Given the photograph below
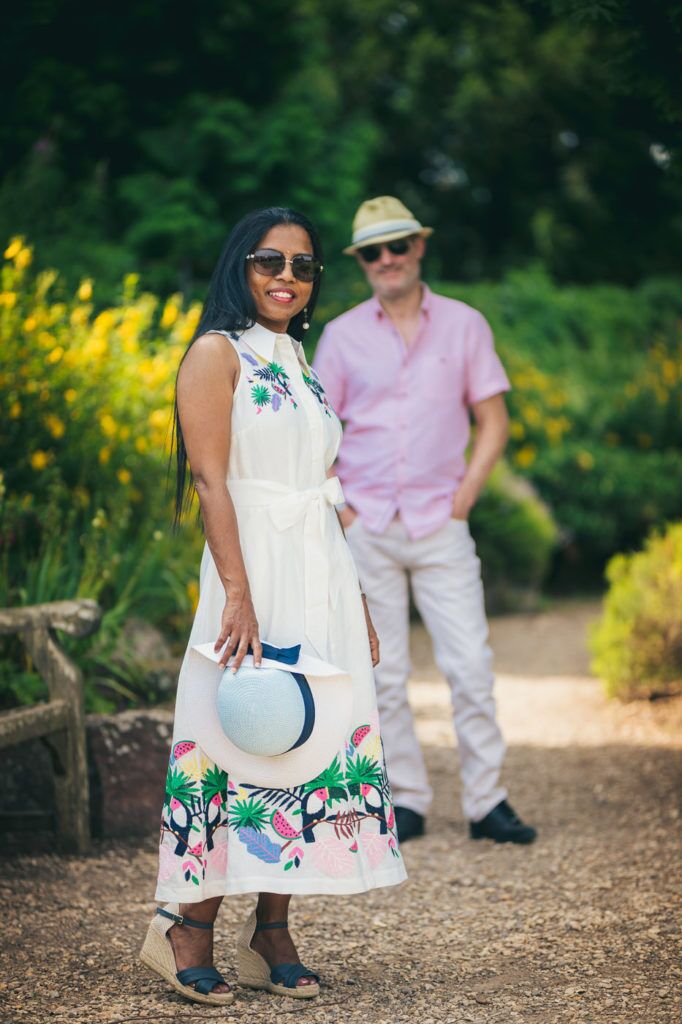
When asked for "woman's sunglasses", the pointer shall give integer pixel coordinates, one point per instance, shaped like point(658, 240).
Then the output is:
point(371, 253)
point(271, 262)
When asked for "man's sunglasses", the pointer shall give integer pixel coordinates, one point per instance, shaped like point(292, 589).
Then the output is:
point(271, 262)
point(371, 253)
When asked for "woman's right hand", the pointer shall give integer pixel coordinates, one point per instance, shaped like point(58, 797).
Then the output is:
point(239, 629)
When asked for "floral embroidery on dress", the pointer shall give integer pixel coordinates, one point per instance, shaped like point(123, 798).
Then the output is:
point(312, 382)
point(270, 385)
point(194, 813)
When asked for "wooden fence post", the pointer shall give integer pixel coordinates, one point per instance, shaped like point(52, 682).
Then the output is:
point(62, 720)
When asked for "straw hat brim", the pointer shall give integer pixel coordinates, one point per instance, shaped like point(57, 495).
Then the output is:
point(332, 690)
point(387, 236)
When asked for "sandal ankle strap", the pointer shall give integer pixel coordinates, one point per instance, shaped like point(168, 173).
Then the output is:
point(179, 919)
point(272, 924)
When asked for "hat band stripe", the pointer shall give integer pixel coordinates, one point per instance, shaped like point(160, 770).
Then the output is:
point(309, 710)
point(385, 227)
point(287, 655)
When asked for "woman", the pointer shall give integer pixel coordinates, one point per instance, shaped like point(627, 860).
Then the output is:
point(251, 413)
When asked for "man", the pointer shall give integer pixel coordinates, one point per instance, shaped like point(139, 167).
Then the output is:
point(403, 371)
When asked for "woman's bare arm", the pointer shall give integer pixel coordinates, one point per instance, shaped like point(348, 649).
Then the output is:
point(206, 383)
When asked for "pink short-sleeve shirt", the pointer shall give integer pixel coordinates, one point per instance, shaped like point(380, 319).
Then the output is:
point(405, 409)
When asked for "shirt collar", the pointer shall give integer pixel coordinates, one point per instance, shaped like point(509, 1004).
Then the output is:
point(426, 303)
point(263, 341)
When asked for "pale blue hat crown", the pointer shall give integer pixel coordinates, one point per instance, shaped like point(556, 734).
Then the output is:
point(265, 711)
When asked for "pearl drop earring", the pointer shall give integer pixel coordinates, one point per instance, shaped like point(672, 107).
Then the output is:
point(305, 325)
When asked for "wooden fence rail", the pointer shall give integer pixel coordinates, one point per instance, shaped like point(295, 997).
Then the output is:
point(60, 722)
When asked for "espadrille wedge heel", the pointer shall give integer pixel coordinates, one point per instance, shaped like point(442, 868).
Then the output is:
point(157, 954)
point(253, 971)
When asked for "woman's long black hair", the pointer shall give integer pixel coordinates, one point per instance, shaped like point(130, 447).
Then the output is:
point(230, 306)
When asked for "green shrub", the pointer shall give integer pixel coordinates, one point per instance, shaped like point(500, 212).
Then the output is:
point(596, 403)
point(515, 536)
point(637, 645)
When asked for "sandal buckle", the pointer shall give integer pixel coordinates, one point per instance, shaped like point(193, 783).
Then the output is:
point(177, 918)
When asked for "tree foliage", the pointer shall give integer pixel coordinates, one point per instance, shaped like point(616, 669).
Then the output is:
point(548, 129)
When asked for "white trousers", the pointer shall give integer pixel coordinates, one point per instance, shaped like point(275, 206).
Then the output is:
point(445, 574)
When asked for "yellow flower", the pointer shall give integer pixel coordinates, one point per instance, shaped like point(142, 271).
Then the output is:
point(8, 299)
point(70, 395)
point(55, 355)
point(30, 323)
point(525, 456)
point(159, 418)
point(190, 325)
point(104, 455)
point(55, 425)
point(141, 444)
point(669, 371)
point(130, 283)
point(108, 424)
point(531, 414)
point(95, 347)
point(169, 315)
point(124, 476)
point(46, 340)
point(104, 322)
point(517, 430)
point(79, 316)
point(44, 282)
point(23, 258)
point(14, 248)
point(124, 433)
point(15, 410)
point(39, 459)
point(193, 594)
point(85, 291)
point(585, 459)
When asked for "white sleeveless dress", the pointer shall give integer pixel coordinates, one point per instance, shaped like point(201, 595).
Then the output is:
point(335, 834)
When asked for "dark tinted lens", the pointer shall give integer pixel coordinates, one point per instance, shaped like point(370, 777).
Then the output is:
point(370, 253)
point(399, 247)
point(268, 262)
point(305, 268)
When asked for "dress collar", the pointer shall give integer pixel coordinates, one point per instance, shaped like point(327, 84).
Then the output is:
point(263, 341)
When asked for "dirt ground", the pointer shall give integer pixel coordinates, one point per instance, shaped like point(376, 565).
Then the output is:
point(584, 926)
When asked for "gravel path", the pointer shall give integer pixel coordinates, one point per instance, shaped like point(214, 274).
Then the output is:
point(580, 927)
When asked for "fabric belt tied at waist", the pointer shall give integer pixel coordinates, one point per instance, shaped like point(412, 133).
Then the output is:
point(287, 506)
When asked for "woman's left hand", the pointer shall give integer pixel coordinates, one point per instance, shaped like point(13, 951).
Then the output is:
point(371, 635)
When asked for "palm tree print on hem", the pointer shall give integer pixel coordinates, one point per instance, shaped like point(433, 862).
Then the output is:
point(194, 812)
point(325, 819)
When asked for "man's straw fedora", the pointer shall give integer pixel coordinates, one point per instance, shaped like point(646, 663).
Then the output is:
point(383, 220)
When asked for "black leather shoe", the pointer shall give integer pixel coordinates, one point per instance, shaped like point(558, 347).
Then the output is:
point(503, 825)
point(408, 823)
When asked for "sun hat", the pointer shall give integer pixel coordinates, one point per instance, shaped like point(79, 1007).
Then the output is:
point(382, 220)
point(278, 725)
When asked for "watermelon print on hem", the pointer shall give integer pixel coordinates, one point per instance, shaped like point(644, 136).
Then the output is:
point(222, 834)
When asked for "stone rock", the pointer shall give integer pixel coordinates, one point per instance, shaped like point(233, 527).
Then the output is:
point(128, 757)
